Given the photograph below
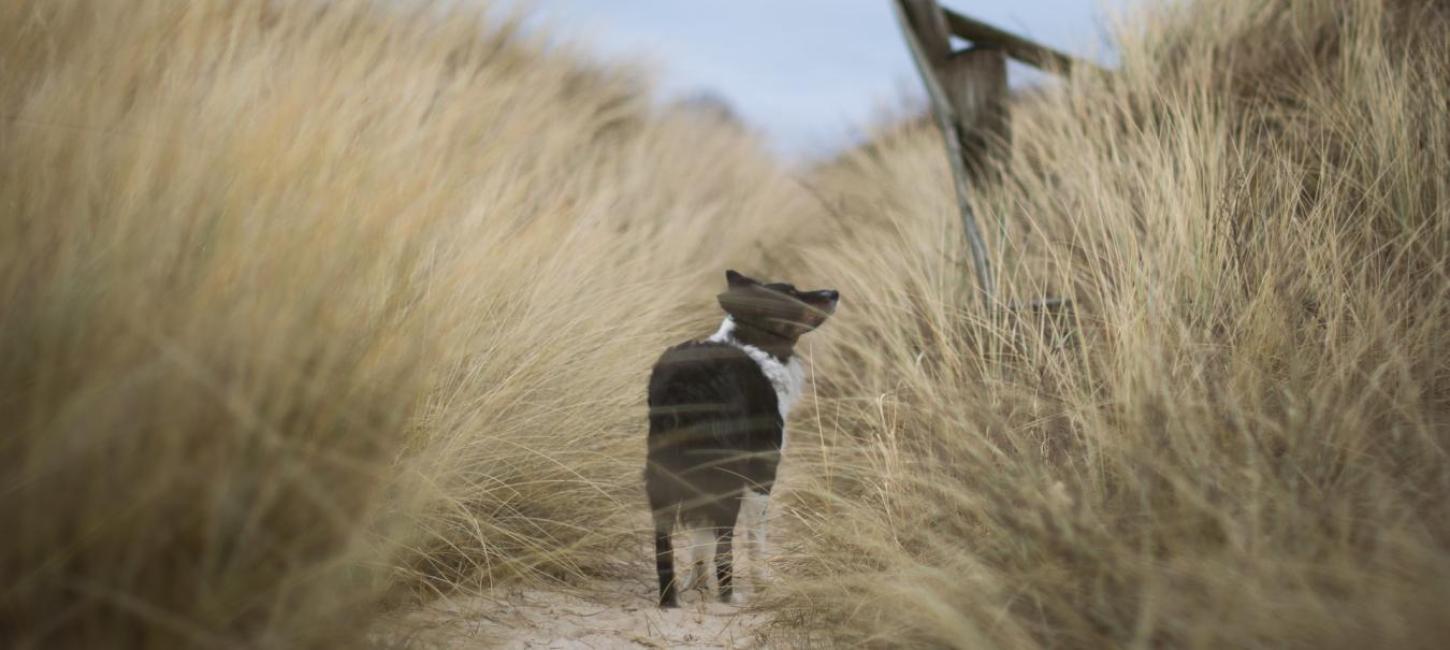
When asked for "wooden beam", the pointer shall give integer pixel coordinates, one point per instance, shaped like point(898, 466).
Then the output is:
point(1030, 52)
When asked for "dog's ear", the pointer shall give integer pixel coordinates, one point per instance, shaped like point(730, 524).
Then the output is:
point(737, 281)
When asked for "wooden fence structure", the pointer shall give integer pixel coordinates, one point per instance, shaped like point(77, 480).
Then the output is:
point(968, 93)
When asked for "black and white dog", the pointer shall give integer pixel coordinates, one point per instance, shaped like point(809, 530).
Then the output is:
point(717, 411)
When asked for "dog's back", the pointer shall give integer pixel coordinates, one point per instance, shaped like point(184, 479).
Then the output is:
point(714, 433)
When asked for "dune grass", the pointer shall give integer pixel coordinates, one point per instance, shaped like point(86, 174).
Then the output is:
point(312, 309)
point(310, 305)
point(1237, 438)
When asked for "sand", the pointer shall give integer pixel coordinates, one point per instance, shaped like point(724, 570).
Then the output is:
point(604, 614)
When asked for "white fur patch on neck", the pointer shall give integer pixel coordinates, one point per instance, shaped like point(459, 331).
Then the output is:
point(787, 378)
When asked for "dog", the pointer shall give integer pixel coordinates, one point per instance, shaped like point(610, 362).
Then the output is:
point(717, 412)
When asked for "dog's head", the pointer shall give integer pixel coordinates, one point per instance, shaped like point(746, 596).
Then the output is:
point(776, 307)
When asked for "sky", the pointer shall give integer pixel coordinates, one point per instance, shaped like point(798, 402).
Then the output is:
point(809, 75)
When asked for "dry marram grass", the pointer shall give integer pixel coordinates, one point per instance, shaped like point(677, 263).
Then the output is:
point(311, 307)
point(309, 303)
point(1237, 439)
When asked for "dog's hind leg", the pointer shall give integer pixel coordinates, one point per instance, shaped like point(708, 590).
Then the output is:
point(664, 521)
point(701, 541)
point(753, 514)
point(724, 568)
point(665, 567)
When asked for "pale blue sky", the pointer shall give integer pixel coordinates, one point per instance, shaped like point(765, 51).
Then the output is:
point(810, 75)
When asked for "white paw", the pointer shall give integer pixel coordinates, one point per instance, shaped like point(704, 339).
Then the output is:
point(698, 580)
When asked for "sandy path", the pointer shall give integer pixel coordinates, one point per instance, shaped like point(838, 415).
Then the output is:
point(605, 614)
point(611, 612)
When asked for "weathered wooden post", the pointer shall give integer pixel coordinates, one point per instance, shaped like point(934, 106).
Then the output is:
point(968, 92)
point(976, 84)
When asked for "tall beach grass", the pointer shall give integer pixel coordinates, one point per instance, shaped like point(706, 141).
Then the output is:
point(1236, 438)
point(309, 306)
